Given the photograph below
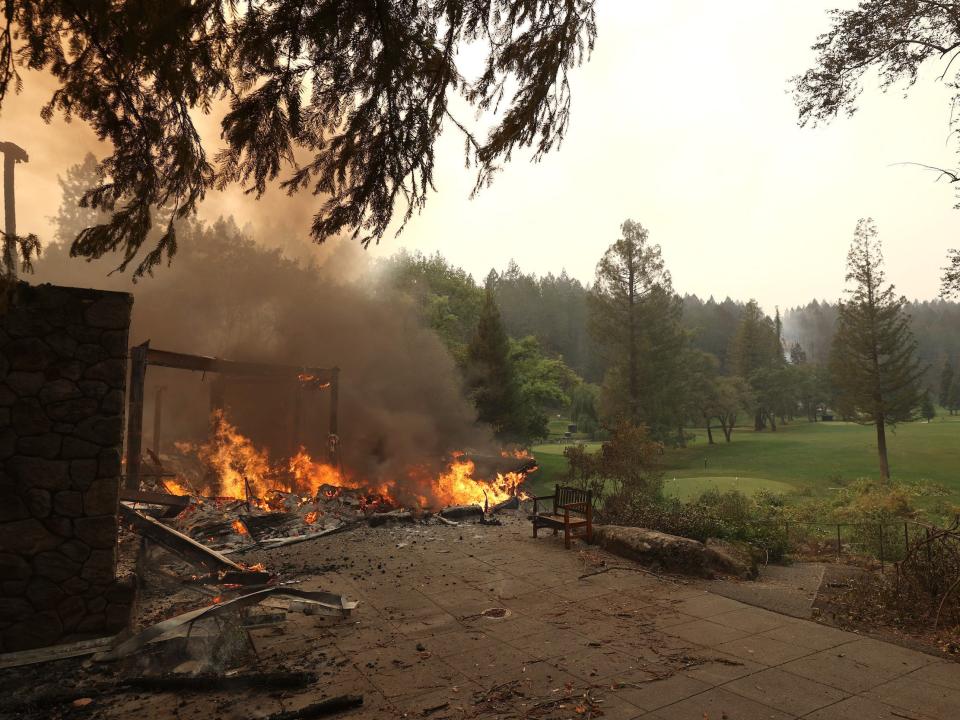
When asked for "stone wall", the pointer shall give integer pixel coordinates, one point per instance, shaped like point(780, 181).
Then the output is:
point(62, 380)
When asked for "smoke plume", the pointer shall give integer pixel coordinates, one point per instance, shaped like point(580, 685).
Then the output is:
point(401, 400)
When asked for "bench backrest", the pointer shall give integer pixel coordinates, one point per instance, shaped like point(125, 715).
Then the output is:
point(565, 495)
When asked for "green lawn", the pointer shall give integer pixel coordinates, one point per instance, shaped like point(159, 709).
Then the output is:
point(808, 457)
point(688, 488)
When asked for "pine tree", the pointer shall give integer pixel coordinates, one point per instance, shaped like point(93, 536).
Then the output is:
point(754, 344)
point(873, 359)
point(778, 338)
point(953, 399)
point(635, 319)
point(798, 356)
point(754, 350)
point(490, 376)
point(927, 411)
point(71, 218)
point(946, 380)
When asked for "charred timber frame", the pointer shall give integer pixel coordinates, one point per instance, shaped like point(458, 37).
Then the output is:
point(142, 356)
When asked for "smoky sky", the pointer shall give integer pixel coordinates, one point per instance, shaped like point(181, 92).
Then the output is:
point(681, 120)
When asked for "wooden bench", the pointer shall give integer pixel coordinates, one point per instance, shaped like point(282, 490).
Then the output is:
point(567, 501)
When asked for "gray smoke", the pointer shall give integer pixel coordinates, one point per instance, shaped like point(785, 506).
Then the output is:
point(401, 400)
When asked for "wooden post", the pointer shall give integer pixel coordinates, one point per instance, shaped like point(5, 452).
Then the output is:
point(138, 374)
point(334, 419)
point(297, 413)
point(157, 419)
point(12, 154)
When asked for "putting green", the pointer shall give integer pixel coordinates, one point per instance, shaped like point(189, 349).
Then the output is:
point(558, 448)
point(690, 487)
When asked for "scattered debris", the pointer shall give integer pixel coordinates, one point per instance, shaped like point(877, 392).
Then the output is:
point(323, 708)
point(329, 601)
point(176, 542)
point(209, 682)
point(55, 652)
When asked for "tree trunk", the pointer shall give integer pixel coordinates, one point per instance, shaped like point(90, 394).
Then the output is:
point(758, 422)
point(773, 422)
point(726, 424)
point(633, 383)
point(709, 434)
point(681, 438)
point(882, 450)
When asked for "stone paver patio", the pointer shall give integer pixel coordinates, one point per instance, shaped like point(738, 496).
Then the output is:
point(420, 646)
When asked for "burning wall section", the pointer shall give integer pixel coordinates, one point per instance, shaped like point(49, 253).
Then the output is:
point(62, 380)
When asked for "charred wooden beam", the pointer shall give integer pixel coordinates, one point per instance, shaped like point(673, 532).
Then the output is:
point(202, 363)
point(176, 542)
point(378, 519)
point(461, 511)
point(155, 498)
point(511, 503)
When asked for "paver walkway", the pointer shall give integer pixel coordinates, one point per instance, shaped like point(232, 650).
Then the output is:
point(420, 646)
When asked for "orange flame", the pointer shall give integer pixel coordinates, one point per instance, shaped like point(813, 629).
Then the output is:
point(175, 488)
point(243, 471)
point(458, 486)
point(239, 528)
point(311, 517)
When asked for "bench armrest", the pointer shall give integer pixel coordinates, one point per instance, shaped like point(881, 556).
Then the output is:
point(537, 499)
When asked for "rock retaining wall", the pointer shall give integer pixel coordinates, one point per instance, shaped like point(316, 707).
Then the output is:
point(62, 381)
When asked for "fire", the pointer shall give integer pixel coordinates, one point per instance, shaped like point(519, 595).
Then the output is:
point(241, 470)
point(458, 486)
point(310, 476)
point(175, 488)
point(239, 528)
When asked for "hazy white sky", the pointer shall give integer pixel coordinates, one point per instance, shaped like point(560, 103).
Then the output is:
point(682, 121)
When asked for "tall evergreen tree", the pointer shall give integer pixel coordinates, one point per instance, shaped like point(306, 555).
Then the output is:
point(873, 360)
point(71, 217)
point(635, 319)
point(490, 376)
point(946, 380)
point(778, 338)
point(953, 398)
point(754, 352)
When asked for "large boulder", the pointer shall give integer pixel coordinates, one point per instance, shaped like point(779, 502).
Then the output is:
point(669, 553)
point(732, 558)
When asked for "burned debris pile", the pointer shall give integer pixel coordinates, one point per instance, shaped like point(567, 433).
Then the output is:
point(199, 599)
